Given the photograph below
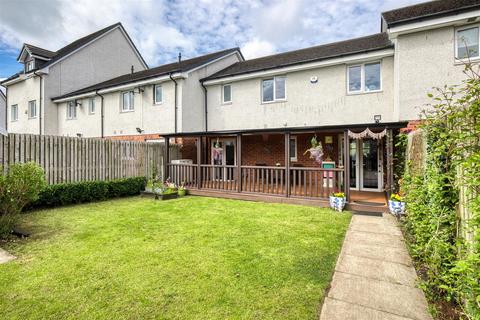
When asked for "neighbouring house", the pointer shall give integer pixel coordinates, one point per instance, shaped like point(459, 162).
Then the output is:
point(141, 105)
point(3, 111)
point(353, 96)
point(96, 57)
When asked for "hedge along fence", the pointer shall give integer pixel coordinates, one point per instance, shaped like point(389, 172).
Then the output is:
point(72, 159)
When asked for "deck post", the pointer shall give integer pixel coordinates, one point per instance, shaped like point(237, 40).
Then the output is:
point(346, 165)
point(287, 164)
point(199, 162)
point(166, 158)
point(239, 163)
point(389, 145)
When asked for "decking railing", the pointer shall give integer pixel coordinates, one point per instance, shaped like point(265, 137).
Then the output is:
point(298, 182)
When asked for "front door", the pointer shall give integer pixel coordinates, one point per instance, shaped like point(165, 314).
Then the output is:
point(366, 170)
point(223, 154)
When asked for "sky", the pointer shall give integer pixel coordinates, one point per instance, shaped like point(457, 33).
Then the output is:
point(162, 28)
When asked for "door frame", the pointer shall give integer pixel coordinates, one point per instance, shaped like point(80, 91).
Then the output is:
point(359, 173)
point(224, 158)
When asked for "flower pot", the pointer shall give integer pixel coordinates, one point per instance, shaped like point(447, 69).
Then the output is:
point(396, 207)
point(337, 203)
point(166, 196)
point(182, 193)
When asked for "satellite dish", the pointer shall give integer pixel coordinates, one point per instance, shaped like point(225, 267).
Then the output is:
point(313, 79)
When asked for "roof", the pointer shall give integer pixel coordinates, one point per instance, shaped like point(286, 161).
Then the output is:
point(333, 50)
point(71, 47)
point(428, 10)
point(182, 66)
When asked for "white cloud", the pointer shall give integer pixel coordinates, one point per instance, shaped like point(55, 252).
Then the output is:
point(162, 28)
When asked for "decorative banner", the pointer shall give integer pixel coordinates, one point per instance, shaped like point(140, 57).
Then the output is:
point(367, 133)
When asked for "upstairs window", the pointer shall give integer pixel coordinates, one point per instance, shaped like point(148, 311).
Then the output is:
point(227, 93)
point(127, 101)
point(32, 109)
point(14, 112)
point(158, 94)
point(30, 65)
point(467, 43)
point(72, 110)
point(364, 78)
point(91, 105)
point(274, 89)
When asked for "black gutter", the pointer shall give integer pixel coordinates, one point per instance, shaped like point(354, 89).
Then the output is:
point(40, 103)
point(175, 99)
point(205, 105)
point(388, 125)
point(102, 115)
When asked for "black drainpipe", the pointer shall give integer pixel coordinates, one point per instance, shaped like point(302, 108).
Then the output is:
point(39, 103)
point(205, 105)
point(102, 114)
point(175, 100)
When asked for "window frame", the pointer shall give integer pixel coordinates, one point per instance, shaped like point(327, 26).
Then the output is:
point(132, 102)
point(68, 113)
point(91, 102)
point(223, 93)
point(155, 102)
point(28, 64)
point(362, 77)
point(29, 113)
point(295, 158)
point(463, 28)
point(274, 89)
point(12, 107)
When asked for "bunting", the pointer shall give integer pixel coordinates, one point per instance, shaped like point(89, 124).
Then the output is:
point(367, 133)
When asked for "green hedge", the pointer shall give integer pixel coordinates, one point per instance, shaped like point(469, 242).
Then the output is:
point(88, 191)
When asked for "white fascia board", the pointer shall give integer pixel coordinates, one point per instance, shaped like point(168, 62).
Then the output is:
point(126, 86)
point(40, 57)
point(452, 20)
point(362, 57)
point(213, 61)
point(20, 78)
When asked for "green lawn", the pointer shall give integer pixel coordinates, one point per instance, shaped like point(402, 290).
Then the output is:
point(190, 258)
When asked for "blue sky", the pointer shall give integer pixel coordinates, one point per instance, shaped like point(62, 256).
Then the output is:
point(162, 28)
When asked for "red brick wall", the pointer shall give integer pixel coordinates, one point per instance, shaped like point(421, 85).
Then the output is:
point(412, 126)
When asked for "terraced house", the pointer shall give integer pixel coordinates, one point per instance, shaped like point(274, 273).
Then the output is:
point(246, 124)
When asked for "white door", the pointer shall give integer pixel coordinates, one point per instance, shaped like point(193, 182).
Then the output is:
point(224, 155)
point(366, 165)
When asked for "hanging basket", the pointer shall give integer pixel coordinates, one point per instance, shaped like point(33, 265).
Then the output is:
point(316, 150)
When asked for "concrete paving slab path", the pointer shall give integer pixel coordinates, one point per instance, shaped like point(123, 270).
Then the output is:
point(5, 256)
point(374, 277)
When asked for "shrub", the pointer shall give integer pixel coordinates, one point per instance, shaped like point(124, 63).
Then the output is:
point(20, 186)
point(88, 191)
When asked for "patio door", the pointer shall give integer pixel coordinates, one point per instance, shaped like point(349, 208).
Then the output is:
point(223, 155)
point(366, 164)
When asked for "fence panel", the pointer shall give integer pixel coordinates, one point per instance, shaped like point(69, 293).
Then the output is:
point(72, 159)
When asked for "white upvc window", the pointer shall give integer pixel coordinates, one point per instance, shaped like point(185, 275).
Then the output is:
point(274, 89)
point(467, 41)
point(127, 101)
point(157, 94)
point(14, 112)
point(293, 148)
point(32, 109)
point(30, 65)
point(366, 77)
point(226, 93)
point(72, 110)
point(91, 106)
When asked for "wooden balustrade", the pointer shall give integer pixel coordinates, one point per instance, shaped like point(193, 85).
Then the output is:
point(304, 182)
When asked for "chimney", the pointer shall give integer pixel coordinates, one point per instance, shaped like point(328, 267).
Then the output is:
point(132, 69)
point(179, 57)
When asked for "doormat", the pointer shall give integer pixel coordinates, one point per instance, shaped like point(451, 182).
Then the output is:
point(369, 203)
point(365, 213)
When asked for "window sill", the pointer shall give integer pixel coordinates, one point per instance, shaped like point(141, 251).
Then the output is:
point(157, 103)
point(274, 101)
point(32, 118)
point(127, 111)
point(14, 120)
point(91, 113)
point(226, 103)
point(363, 92)
point(68, 119)
point(459, 62)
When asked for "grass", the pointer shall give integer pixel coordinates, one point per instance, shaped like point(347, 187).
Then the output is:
point(190, 258)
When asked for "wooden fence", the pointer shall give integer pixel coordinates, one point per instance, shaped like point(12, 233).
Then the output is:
point(71, 159)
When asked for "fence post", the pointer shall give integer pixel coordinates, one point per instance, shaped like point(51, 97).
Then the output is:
point(166, 158)
point(287, 163)
point(239, 163)
point(199, 162)
point(346, 165)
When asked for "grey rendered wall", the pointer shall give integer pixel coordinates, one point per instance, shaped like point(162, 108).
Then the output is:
point(320, 104)
point(106, 58)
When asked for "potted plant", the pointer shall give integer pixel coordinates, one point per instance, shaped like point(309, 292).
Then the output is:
point(165, 191)
point(337, 201)
point(396, 205)
point(182, 191)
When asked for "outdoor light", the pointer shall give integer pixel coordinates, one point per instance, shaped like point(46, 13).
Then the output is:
point(140, 90)
point(139, 130)
point(377, 118)
point(79, 135)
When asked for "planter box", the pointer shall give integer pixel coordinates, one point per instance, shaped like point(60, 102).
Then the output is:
point(166, 196)
point(337, 203)
point(396, 207)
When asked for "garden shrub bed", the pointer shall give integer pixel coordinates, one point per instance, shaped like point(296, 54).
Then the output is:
point(88, 191)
